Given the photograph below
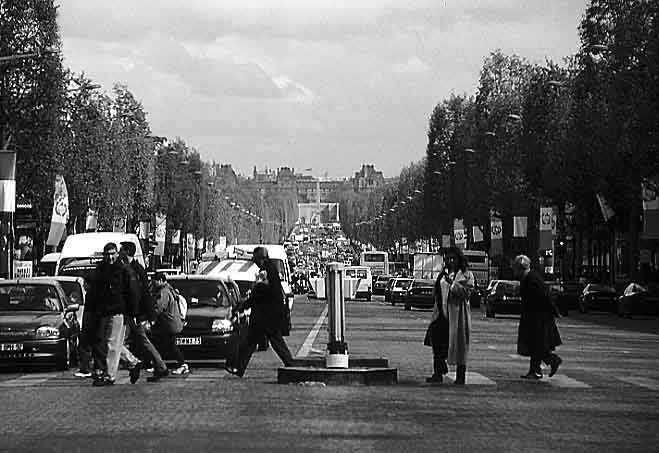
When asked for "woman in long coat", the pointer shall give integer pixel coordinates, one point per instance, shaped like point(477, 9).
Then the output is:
point(437, 333)
point(459, 315)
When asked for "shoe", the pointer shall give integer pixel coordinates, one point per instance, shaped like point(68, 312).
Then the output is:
point(532, 376)
point(554, 366)
point(103, 382)
point(82, 374)
point(157, 375)
point(150, 370)
point(460, 375)
point(182, 370)
point(232, 370)
point(435, 379)
point(134, 373)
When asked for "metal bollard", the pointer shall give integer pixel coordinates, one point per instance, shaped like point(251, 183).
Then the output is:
point(337, 348)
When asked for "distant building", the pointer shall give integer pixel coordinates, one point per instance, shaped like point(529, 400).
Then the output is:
point(368, 178)
point(224, 174)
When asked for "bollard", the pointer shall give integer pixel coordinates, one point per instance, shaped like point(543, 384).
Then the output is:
point(337, 348)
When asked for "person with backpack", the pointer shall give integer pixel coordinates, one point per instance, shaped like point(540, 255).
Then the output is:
point(168, 324)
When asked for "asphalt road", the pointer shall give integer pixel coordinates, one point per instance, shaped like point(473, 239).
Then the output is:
point(604, 397)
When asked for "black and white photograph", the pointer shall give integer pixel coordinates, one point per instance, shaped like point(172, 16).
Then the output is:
point(329, 225)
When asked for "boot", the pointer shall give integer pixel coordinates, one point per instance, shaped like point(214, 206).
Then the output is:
point(460, 375)
point(438, 371)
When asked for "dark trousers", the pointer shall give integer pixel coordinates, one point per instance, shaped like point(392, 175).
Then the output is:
point(141, 345)
point(549, 358)
point(92, 351)
point(248, 346)
point(166, 344)
point(439, 365)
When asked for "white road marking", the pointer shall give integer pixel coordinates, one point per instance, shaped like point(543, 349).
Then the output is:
point(648, 383)
point(27, 380)
point(518, 357)
point(563, 381)
point(308, 343)
point(473, 378)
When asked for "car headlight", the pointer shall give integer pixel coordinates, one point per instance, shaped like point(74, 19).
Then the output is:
point(47, 332)
point(221, 326)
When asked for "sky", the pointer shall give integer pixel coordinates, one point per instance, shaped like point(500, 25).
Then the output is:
point(322, 84)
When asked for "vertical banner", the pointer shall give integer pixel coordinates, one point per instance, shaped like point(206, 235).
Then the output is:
point(520, 225)
point(546, 229)
point(119, 224)
point(91, 223)
point(223, 243)
point(60, 213)
point(176, 237)
point(160, 234)
point(7, 181)
point(650, 212)
point(446, 240)
point(477, 233)
point(145, 229)
point(496, 236)
point(200, 244)
point(209, 245)
point(459, 233)
point(191, 243)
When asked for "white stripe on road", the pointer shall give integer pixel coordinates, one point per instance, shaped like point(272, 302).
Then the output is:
point(308, 343)
point(473, 378)
point(648, 383)
point(563, 381)
point(28, 380)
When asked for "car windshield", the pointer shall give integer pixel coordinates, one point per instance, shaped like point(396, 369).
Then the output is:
point(208, 293)
point(72, 291)
point(599, 288)
point(403, 283)
point(422, 284)
point(508, 288)
point(25, 297)
point(356, 273)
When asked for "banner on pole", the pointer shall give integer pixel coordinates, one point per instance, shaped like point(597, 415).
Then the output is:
point(119, 224)
point(160, 234)
point(176, 237)
point(7, 181)
point(546, 229)
point(60, 213)
point(607, 211)
point(650, 212)
point(496, 236)
point(520, 226)
point(459, 233)
point(144, 230)
point(477, 233)
point(91, 223)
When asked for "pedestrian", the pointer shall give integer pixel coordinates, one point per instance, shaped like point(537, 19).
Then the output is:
point(89, 347)
point(145, 312)
point(114, 297)
point(168, 324)
point(437, 332)
point(538, 335)
point(461, 284)
point(268, 318)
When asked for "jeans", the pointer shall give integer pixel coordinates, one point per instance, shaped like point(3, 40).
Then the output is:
point(88, 341)
point(126, 355)
point(247, 348)
point(142, 346)
point(113, 333)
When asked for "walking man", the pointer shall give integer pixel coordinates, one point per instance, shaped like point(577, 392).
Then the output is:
point(268, 318)
point(114, 297)
point(538, 335)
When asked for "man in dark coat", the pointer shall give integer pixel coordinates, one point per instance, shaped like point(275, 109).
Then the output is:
point(268, 318)
point(538, 335)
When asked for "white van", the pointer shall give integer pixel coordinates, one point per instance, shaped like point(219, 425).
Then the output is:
point(357, 283)
point(90, 246)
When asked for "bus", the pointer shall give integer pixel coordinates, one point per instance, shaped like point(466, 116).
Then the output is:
point(377, 261)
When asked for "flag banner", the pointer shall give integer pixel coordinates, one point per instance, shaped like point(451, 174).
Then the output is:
point(546, 230)
point(119, 224)
point(520, 225)
point(650, 212)
point(60, 213)
point(496, 235)
point(7, 181)
point(190, 241)
point(209, 246)
point(459, 233)
point(607, 211)
point(91, 224)
point(477, 233)
point(176, 237)
point(144, 230)
point(200, 244)
point(160, 234)
point(223, 243)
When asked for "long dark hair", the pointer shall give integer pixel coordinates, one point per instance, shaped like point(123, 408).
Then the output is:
point(456, 259)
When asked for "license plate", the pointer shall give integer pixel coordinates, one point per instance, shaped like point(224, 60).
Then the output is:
point(11, 346)
point(188, 341)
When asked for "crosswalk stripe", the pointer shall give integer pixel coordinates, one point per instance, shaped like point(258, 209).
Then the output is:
point(648, 383)
point(27, 380)
point(563, 381)
point(473, 378)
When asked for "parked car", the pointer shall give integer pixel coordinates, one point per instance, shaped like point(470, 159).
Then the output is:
point(38, 325)
point(380, 284)
point(399, 290)
point(212, 328)
point(598, 297)
point(503, 298)
point(639, 300)
point(75, 290)
point(387, 289)
point(420, 294)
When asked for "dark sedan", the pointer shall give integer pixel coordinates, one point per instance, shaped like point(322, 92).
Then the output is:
point(212, 329)
point(38, 325)
point(420, 294)
point(503, 298)
point(639, 300)
point(598, 297)
point(380, 284)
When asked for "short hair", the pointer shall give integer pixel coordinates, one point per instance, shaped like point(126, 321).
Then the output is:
point(160, 276)
point(523, 261)
point(261, 252)
point(109, 246)
point(129, 248)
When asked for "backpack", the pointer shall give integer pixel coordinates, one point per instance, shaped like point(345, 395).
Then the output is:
point(182, 305)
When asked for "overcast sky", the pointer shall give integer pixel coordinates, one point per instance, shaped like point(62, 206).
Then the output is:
point(326, 84)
